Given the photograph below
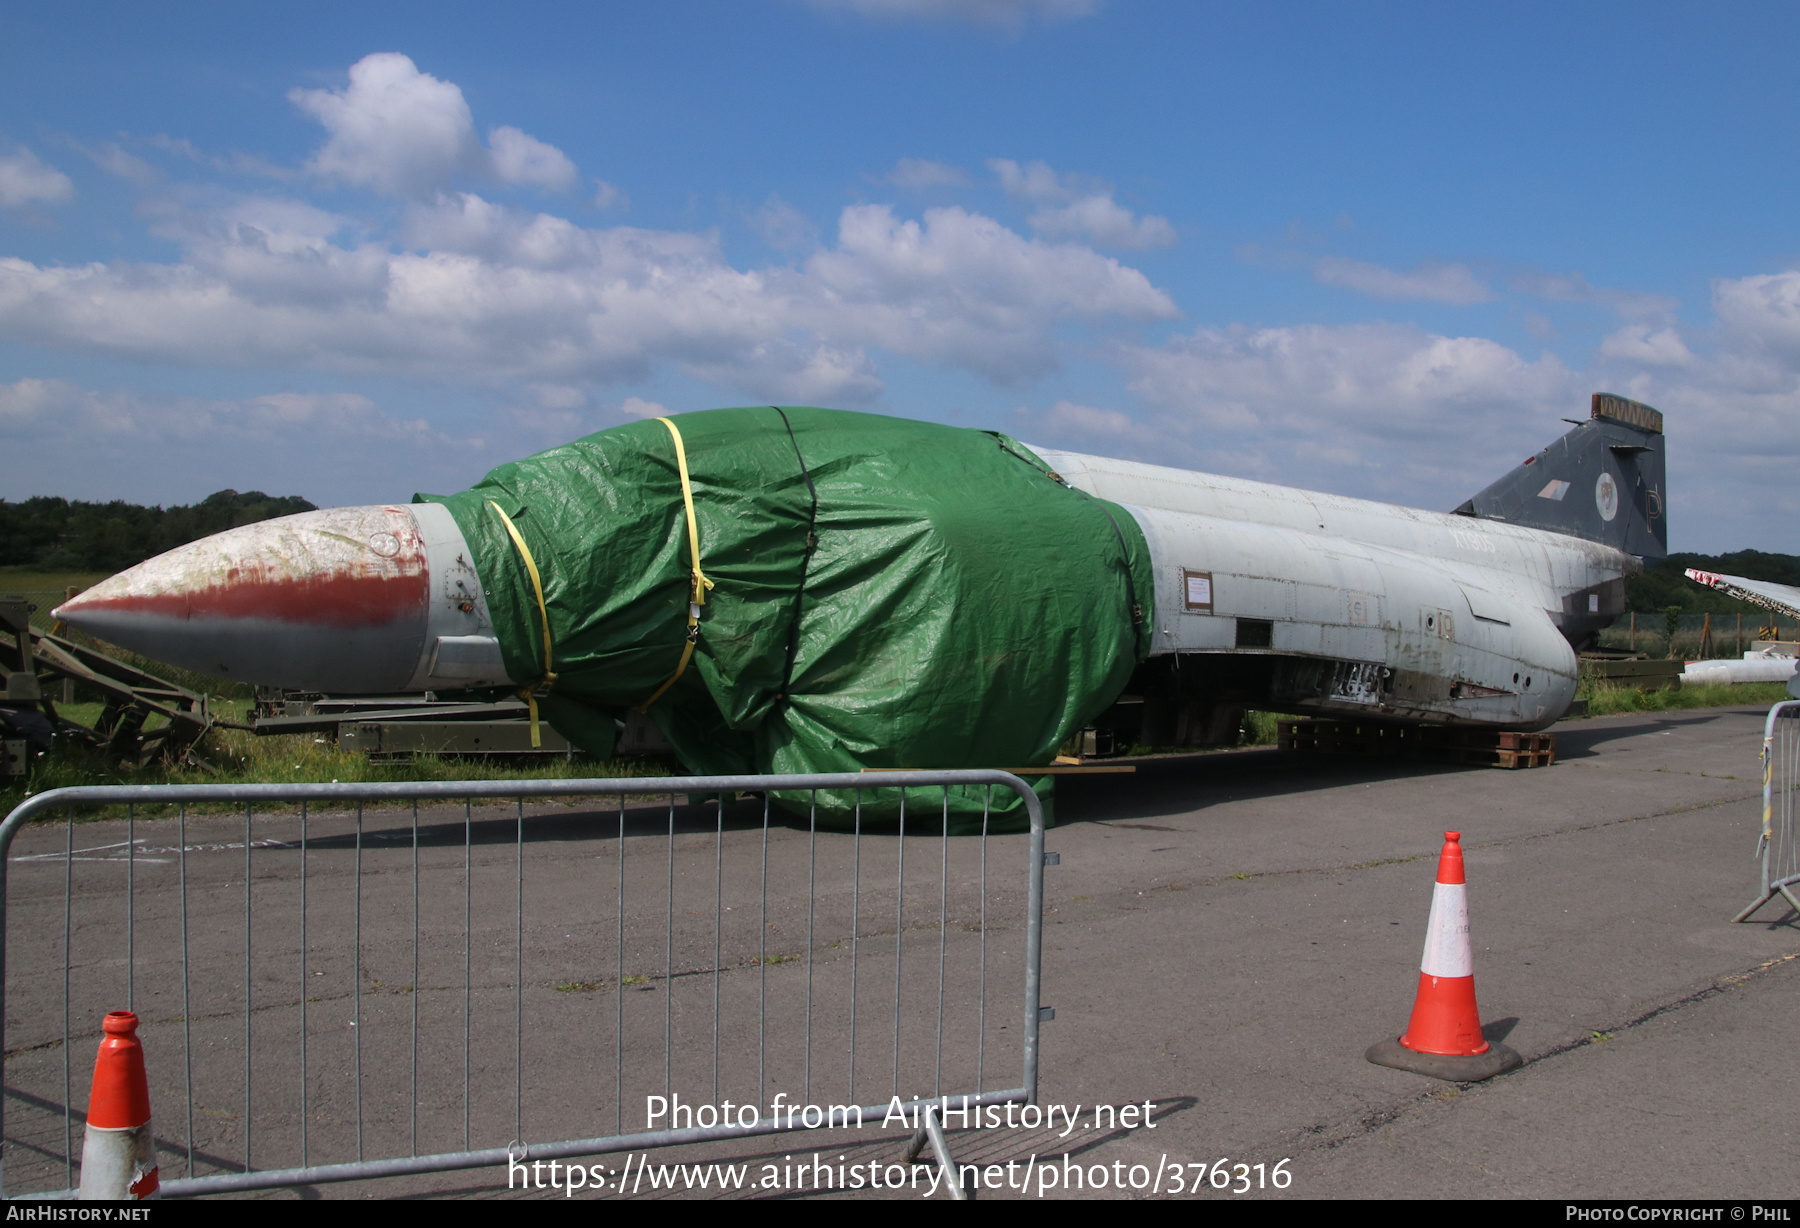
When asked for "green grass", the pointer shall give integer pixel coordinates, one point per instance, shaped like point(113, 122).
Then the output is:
point(1259, 727)
point(27, 579)
point(1603, 700)
point(242, 757)
point(1608, 700)
point(44, 589)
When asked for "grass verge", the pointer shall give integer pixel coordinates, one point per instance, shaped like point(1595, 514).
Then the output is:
point(242, 757)
point(1609, 700)
point(311, 759)
point(1603, 700)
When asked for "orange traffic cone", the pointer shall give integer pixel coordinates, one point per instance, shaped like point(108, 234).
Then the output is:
point(118, 1156)
point(1443, 1038)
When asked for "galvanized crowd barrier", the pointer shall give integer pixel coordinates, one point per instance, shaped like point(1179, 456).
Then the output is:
point(333, 988)
point(1777, 845)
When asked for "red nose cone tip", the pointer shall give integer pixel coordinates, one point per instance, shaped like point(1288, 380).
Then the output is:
point(120, 1023)
point(350, 599)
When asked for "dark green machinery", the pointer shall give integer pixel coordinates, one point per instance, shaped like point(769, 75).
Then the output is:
point(143, 718)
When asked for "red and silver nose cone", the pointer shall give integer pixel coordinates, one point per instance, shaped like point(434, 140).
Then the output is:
point(350, 599)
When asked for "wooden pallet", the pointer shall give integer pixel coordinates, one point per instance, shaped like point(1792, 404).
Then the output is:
point(1437, 743)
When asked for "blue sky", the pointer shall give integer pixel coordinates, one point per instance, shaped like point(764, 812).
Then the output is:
point(354, 251)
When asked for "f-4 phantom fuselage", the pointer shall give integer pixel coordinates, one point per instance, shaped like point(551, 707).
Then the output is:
point(855, 590)
point(1280, 598)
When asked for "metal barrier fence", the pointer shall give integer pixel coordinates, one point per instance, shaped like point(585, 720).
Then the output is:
point(1778, 844)
point(329, 991)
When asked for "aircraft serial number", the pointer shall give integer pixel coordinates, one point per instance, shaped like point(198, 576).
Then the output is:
point(1471, 541)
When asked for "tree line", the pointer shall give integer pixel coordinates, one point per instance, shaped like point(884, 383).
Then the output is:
point(52, 534)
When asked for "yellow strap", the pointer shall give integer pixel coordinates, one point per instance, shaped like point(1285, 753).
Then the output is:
point(529, 694)
point(687, 654)
point(701, 583)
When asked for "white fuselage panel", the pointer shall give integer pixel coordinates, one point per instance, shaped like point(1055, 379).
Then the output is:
point(1456, 616)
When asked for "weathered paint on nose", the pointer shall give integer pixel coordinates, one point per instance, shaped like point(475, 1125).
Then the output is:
point(334, 600)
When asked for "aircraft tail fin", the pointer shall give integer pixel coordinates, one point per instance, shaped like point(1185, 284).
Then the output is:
point(1604, 481)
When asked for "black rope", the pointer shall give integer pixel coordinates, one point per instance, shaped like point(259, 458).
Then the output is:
point(812, 540)
point(1137, 611)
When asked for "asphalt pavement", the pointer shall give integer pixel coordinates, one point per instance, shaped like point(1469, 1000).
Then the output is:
point(1224, 937)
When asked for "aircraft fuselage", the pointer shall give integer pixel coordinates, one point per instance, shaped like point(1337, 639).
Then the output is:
point(1362, 608)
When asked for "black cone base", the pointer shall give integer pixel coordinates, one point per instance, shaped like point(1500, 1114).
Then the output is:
point(1497, 1060)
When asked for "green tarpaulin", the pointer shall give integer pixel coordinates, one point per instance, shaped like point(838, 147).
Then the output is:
point(887, 593)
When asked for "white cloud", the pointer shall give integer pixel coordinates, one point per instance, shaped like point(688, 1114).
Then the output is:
point(402, 132)
point(919, 174)
point(1762, 311)
point(1735, 402)
point(25, 404)
point(637, 407)
point(1636, 343)
point(1730, 413)
point(393, 128)
point(489, 293)
point(1076, 206)
point(1730, 406)
point(1034, 182)
point(1430, 282)
point(237, 162)
point(964, 291)
point(1381, 410)
point(115, 161)
point(466, 289)
point(1394, 412)
point(796, 372)
point(1574, 288)
point(26, 181)
point(547, 415)
point(782, 226)
point(999, 14)
point(290, 224)
point(518, 158)
point(557, 396)
point(331, 447)
point(1067, 419)
point(49, 407)
point(1105, 222)
point(1388, 376)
